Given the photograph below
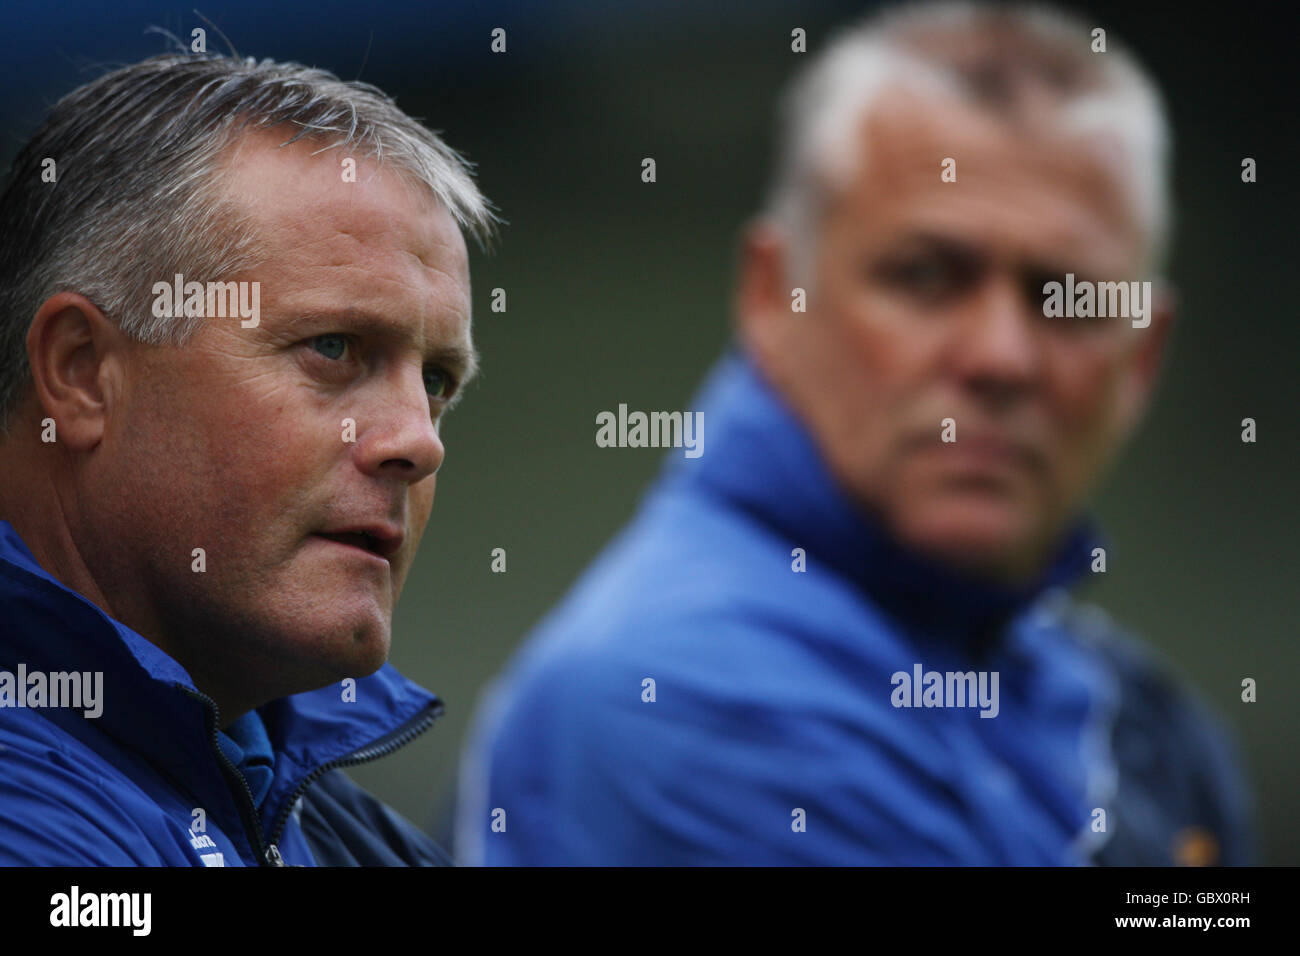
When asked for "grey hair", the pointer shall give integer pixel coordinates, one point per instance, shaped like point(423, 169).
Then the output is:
point(821, 110)
point(137, 194)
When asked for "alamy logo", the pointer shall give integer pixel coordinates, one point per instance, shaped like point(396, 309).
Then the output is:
point(72, 689)
point(216, 300)
point(75, 908)
point(1101, 300)
point(653, 430)
point(948, 689)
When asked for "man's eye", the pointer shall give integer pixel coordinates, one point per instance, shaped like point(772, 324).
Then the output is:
point(925, 277)
point(934, 274)
point(332, 346)
point(437, 383)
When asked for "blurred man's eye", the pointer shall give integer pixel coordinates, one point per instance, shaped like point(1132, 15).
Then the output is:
point(1033, 284)
point(923, 278)
point(930, 278)
point(331, 346)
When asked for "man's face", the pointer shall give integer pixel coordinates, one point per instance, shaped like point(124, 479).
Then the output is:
point(238, 442)
point(928, 305)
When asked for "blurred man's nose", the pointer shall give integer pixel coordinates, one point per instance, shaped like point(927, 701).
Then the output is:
point(994, 350)
point(401, 439)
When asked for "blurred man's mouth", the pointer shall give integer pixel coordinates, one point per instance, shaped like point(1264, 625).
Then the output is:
point(984, 451)
point(990, 450)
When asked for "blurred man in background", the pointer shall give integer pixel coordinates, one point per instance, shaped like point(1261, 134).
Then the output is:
point(842, 636)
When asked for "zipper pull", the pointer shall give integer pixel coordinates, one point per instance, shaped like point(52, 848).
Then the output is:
point(273, 856)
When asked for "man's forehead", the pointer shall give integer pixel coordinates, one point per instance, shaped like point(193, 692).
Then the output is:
point(300, 195)
point(376, 242)
point(1060, 188)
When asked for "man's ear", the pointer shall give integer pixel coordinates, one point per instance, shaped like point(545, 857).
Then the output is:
point(1148, 359)
point(760, 296)
point(74, 354)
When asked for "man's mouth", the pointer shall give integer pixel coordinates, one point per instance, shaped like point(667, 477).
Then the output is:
point(380, 541)
point(991, 449)
point(983, 448)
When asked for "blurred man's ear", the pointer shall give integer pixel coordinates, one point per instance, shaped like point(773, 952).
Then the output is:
point(1148, 359)
point(761, 301)
point(73, 351)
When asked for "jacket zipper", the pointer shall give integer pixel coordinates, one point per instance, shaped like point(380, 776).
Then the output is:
point(269, 853)
point(395, 740)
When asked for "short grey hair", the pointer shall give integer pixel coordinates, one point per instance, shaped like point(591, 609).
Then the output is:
point(821, 111)
point(137, 195)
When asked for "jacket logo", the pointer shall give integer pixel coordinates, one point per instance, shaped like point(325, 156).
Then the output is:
point(200, 842)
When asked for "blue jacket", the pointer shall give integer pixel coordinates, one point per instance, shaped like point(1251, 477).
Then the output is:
point(145, 782)
point(698, 699)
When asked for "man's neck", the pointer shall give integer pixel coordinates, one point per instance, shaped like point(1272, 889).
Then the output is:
point(35, 510)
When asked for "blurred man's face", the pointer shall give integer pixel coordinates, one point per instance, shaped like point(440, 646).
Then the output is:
point(928, 305)
point(237, 442)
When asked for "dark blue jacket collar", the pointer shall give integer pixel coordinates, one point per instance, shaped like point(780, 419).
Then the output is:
point(760, 458)
point(149, 702)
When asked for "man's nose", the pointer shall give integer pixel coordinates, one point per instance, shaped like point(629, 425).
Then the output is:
point(400, 438)
point(995, 350)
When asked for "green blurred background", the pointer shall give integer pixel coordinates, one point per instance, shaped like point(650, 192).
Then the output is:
point(618, 291)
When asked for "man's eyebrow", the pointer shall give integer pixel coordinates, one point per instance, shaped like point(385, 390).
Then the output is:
point(912, 242)
point(461, 359)
point(1034, 264)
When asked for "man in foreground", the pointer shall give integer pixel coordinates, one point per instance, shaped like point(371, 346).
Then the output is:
point(841, 636)
point(228, 333)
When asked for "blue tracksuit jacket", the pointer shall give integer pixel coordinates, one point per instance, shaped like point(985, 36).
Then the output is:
point(770, 733)
point(123, 788)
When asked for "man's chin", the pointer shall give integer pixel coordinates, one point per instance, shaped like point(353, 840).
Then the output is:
point(344, 646)
point(986, 537)
point(366, 648)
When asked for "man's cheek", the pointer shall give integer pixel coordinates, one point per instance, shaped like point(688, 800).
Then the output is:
point(1086, 402)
